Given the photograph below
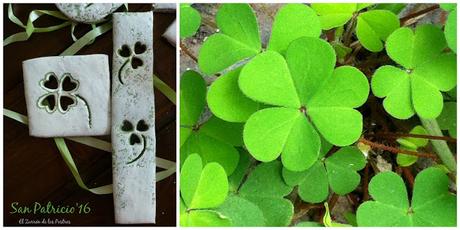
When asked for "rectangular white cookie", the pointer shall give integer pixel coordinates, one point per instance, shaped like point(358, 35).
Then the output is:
point(67, 95)
point(133, 118)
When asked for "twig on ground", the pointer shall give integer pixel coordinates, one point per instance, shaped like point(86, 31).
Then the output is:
point(187, 52)
point(403, 20)
point(396, 150)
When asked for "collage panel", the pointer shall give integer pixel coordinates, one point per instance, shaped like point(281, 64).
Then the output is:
point(318, 115)
point(89, 114)
point(291, 114)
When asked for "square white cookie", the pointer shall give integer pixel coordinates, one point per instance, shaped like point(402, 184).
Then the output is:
point(67, 95)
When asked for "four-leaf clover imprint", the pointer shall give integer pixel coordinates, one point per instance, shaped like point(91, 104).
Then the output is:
point(61, 94)
point(136, 135)
point(309, 95)
point(131, 56)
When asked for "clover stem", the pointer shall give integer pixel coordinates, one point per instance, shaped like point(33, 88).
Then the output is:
point(396, 150)
point(142, 152)
point(440, 146)
point(121, 70)
point(87, 108)
point(349, 30)
point(187, 52)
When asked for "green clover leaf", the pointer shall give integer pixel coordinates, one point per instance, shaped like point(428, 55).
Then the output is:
point(242, 212)
point(372, 27)
point(226, 101)
point(448, 118)
point(333, 15)
point(239, 34)
point(193, 101)
point(202, 187)
point(427, 71)
point(264, 188)
point(190, 20)
point(238, 39)
point(432, 203)
point(202, 190)
point(393, 7)
point(204, 218)
point(411, 143)
point(213, 140)
point(450, 30)
point(337, 172)
point(375, 26)
point(305, 90)
point(211, 149)
point(239, 174)
point(293, 21)
point(230, 133)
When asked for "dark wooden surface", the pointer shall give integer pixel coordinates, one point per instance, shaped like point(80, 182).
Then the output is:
point(34, 171)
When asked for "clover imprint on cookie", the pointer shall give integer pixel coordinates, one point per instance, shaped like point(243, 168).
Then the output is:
point(136, 136)
point(131, 56)
point(61, 94)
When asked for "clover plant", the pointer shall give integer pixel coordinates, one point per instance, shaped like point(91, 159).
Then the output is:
point(263, 192)
point(238, 40)
point(372, 27)
point(213, 139)
point(415, 87)
point(315, 98)
point(432, 203)
point(337, 172)
point(202, 189)
point(275, 123)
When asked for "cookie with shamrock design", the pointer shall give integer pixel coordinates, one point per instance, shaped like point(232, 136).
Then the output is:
point(64, 99)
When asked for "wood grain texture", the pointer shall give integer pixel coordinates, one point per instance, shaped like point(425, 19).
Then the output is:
point(34, 171)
